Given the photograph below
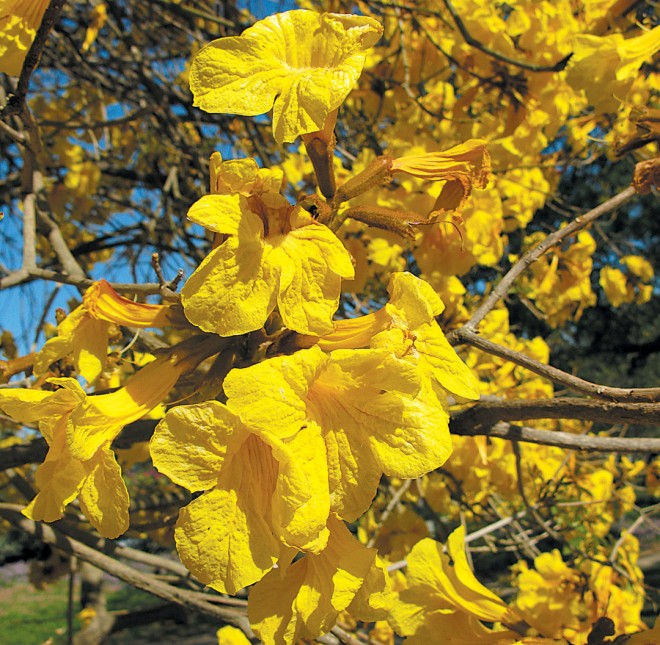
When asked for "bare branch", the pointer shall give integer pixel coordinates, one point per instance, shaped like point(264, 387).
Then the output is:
point(650, 394)
point(534, 254)
point(16, 103)
point(490, 412)
point(504, 430)
point(191, 600)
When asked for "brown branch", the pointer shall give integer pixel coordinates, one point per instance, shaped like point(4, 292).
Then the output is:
point(534, 254)
point(61, 248)
point(504, 430)
point(23, 275)
point(473, 42)
point(16, 103)
point(622, 394)
point(190, 600)
point(490, 412)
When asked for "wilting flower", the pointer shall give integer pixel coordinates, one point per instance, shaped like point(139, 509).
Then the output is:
point(84, 332)
point(271, 254)
point(299, 63)
point(19, 21)
point(463, 167)
point(79, 429)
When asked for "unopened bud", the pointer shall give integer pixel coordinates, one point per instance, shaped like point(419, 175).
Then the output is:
point(388, 219)
point(378, 172)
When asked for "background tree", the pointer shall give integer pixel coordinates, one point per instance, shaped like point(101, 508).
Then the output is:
point(547, 275)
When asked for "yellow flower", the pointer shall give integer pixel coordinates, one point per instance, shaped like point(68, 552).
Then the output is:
point(299, 63)
point(444, 597)
point(79, 430)
point(638, 266)
point(463, 167)
point(605, 66)
point(262, 492)
point(407, 326)
point(229, 635)
point(374, 414)
point(84, 332)
point(274, 254)
point(19, 21)
point(304, 600)
point(615, 286)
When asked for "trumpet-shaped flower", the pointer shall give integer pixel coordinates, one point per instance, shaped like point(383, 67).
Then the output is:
point(84, 332)
point(79, 430)
point(463, 167)
point(274, 254)
point(605, 66)
point(305, 600)
point(373, 412)
point(406, 325)
point(19, 21)
point(444, 597)
point(262, 493)
point(299, 63)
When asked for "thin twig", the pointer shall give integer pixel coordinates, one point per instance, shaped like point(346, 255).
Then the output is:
point(473, 42)
point(534, 254)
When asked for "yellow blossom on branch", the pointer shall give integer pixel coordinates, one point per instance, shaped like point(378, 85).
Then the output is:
point(272, 254)
point(262, 493)
point(375, 415)
point(299, 63)
point(79, 429)
point(605, 67)
point(444, 597)
point(463, 167)
point(19, 21)
point(305, 599)
point(407, 325)
point(84, 332)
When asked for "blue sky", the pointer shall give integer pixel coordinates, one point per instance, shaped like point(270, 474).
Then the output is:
point(23, 307)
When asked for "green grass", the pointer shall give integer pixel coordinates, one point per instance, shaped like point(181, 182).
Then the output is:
point(29, 616)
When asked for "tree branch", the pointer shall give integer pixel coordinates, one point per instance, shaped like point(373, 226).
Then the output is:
point(16, 103)
point(191, 600)
point(486, 413)
point(473, 42)
point(504, 430)
point(534, 254)
point(622, 394)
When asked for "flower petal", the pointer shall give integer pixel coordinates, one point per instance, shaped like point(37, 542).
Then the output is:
point(269, 397)
point(300, 63)
point(312, 261)
point(301, 502)
point(223, 537)
point(305, 601)
point(190, 444)
point(103, 495)
point(232, 291)
point(101, 417)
